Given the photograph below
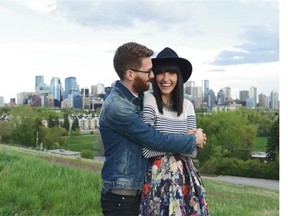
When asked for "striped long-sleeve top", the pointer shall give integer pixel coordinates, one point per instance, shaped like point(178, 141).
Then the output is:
point(168, 122)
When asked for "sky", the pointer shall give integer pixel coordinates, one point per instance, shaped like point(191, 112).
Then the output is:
point(231, 43)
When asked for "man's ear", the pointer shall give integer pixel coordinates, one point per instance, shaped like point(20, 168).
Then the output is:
point(129, 75)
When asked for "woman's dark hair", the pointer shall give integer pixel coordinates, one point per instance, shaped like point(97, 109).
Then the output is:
point(177, 93)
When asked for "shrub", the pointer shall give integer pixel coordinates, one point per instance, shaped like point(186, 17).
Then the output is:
point(237, 167)
point(87, 154)
point(209, 166)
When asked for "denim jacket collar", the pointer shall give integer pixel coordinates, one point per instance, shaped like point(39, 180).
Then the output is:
point(128, 94)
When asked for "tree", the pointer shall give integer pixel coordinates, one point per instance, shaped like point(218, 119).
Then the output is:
point(263, 119)
point(272, 147)
point(23, 120)
point(66, 123)
point(53, 122)
point(75, 124)
point(6, 130)
point(229, 134)
point(53, 138)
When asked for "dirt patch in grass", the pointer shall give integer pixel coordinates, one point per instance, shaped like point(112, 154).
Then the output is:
point(95, 167)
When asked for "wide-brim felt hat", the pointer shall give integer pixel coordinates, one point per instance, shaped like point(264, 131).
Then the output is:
point(169, 55)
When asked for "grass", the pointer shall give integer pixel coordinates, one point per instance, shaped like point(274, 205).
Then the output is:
point(37, 183)
point(41, 184)
point(88, 141)
point(261, 143)
point(78, 143)
point(93, 142)
point(239, 200)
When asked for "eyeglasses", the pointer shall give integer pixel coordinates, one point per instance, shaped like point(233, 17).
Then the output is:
point(141, 71)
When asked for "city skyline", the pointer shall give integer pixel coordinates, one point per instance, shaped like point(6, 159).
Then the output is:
point(234, 95)
point(231, 43)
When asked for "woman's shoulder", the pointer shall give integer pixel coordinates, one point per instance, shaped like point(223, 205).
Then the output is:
point(188, 106)
point(187, 102)
point(149, 98)
point(148, 94)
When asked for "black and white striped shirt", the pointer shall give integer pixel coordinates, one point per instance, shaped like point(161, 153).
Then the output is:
point(168, 122)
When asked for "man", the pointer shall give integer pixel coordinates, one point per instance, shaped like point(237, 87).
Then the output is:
point(124, 133)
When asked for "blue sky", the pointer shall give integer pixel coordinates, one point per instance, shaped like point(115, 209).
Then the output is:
point(232, 43)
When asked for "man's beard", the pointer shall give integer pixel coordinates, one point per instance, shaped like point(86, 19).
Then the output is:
point(140, 85)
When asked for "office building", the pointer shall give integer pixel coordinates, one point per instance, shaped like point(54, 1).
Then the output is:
point(205, 90)
point(56, 91)
point(274, 101)
point(253, 94)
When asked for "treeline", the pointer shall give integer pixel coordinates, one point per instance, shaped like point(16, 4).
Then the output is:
point(32, 127)
point(231, 137)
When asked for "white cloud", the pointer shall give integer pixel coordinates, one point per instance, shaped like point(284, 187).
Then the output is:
point(60, 38)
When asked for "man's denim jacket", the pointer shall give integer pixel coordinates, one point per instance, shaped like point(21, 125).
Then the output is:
point(124, 134)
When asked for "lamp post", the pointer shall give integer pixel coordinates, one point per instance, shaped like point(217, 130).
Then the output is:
point(37, 139)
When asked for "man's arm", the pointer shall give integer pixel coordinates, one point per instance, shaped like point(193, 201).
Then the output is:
point(131, 125)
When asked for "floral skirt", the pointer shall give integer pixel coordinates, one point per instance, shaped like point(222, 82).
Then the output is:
point(173, 187)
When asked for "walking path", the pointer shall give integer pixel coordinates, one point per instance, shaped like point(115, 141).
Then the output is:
point(265, 183)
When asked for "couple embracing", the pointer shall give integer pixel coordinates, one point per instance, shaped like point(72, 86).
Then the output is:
point(150, 139)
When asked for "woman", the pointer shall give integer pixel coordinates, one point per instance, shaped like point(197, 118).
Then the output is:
point(172, 184)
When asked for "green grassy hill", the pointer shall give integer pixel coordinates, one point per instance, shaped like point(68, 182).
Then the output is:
point(38, 183)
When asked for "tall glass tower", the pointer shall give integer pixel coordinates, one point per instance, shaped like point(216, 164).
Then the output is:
point(56, 91)
point(205, 87)
point(39, 82)
point(253, 94)
point(274, 102)
point(70, 86)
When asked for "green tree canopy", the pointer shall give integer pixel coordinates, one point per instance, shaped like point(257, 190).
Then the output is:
point(229, 134)
point(23, 120)
point(273, 141)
